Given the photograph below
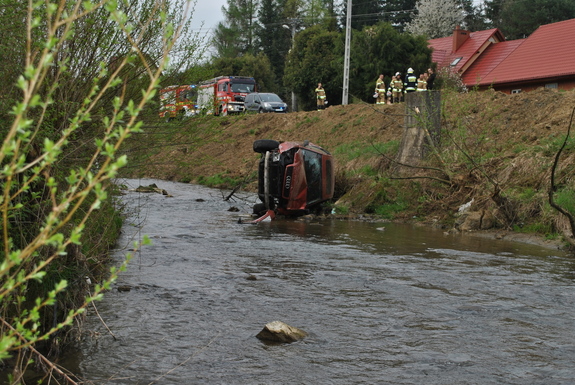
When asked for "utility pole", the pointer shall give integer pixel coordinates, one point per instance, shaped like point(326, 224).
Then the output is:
point(344, 98)
point(292, 27)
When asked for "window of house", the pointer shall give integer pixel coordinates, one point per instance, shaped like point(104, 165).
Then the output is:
point(517, 91)
point(552, 85)
point(454, 62)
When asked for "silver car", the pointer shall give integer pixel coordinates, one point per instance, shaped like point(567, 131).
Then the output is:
point(264, 102)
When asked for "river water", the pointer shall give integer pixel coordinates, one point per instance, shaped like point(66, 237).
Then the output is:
point(382, 303)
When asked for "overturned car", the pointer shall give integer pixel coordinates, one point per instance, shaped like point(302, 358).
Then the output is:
point(294, 177)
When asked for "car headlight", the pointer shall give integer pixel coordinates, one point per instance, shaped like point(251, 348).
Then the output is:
point(267, 105)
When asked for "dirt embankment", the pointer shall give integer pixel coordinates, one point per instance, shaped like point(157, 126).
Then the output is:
point(496, 151)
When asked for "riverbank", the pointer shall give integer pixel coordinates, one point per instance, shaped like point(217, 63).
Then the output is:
point(495, 155)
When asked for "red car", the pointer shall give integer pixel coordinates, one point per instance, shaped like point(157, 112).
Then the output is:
point(294, 177)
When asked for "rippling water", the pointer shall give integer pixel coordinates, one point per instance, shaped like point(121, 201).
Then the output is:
point(382, 303)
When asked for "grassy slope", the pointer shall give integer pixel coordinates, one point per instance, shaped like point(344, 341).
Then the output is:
point(488, 139)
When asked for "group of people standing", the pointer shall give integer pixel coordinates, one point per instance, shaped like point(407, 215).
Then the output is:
point(397, 87)
point(394, 92)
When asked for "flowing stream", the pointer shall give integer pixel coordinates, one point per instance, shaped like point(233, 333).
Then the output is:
point(382, 303)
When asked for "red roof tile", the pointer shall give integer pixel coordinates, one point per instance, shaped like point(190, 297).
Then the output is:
point(489, 60)
point(547, 53)
point(442, 47)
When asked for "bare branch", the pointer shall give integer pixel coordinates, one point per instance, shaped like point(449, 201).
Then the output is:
point(553, 187)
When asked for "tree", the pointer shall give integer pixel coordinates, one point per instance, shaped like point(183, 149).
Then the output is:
point(378, 49)
point(519, 19)
point(381, 49)
point(237, 35)
point(436, 18)
point(314, 59)
point(492, 9)
point(257, 67)
point(474, 16)
point(398, 12)
point(364, 13)
point(275, 35)
point(46, 208)
point(319, 12)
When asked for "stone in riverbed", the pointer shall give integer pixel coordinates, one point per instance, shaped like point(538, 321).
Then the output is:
point(278, 331)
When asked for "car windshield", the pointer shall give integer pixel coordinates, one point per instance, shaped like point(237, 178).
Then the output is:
point(243, 87)
point(270, 98)
point(189, 94)
point(312, 165)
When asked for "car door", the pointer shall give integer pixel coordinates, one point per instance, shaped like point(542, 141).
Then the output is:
point(249, 102)
point(257, 102)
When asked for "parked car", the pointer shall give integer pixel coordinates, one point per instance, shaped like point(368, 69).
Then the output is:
point(264, 102)
point(294, 178)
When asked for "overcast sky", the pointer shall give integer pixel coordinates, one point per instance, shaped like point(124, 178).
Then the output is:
point(209, 11)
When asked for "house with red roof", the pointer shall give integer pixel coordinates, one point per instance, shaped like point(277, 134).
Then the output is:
point(485, 59)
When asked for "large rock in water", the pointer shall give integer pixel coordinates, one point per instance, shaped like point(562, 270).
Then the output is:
point(278, 331)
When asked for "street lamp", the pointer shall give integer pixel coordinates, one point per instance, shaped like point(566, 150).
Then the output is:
point(292, 28)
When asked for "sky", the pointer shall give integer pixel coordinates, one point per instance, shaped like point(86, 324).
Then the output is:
point(209, 11)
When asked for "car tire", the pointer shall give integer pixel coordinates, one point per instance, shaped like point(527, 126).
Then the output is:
point(263, 145)
point(261, 111)
point(259, 209)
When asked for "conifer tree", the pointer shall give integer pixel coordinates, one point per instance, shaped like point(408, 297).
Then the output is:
point(275, 34)
point(398, 12)
point(519, 19)
point(237, 35)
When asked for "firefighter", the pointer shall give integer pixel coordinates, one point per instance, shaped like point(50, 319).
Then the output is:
point(380, 90)
point(421, 83)
point(410, 81)
point(320, 96)
point(397, 90)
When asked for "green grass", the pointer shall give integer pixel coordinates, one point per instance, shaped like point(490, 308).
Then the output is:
point(387, 210)
point(566, 199)
point(539, 228)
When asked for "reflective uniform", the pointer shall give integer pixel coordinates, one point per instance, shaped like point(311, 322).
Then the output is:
point(397, 90)
point(380, 90)
point(421, 85)
point(320, 96)
point(410, 81)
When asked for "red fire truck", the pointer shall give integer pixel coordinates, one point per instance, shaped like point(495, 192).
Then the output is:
point(225, 94)
point(178, 101)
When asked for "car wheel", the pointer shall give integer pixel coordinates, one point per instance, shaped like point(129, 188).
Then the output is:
point(263, 145)
point(259, 208)
point(261, 111)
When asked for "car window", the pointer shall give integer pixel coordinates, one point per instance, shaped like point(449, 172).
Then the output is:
point(270, 98)
point(312, 165)
point(243, 87)
point(249, 98)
